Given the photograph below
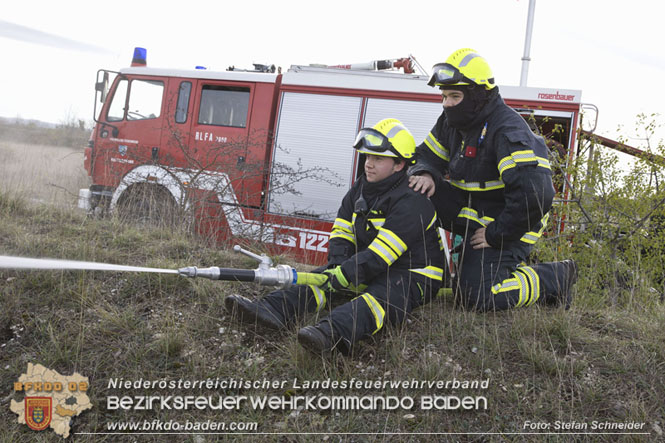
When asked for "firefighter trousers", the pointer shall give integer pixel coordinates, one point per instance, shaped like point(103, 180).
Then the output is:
point(387, 298)
point(498, 279)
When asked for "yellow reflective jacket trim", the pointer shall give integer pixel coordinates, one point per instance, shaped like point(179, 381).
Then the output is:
point(472, 214)
point(436, 147)
point(430, 271)
point(320, 297)
point(509, 284)
point(349, 237)
point(531, 237)
point(343, 229)
point(377, 222)
point(523, 288)
point(342, 225)
point(382, 250)
point(544, 163)
point(393, 240)
point(534, 281)
point(477, 186)
point(513, 159)
point(388, 246)
point(431, 223)
point(377, 310)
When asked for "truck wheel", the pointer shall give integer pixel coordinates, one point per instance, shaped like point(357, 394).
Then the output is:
point(148, 204)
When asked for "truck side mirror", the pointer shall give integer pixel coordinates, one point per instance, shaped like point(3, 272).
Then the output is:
point(103, 87)
point(589, 119)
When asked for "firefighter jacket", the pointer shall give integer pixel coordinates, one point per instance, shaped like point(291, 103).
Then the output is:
point(498, 175)
point(391, 226)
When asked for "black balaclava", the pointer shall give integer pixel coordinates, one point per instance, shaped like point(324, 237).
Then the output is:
point(462, 115)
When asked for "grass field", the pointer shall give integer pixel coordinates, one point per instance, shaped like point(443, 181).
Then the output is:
point(42, 173)
point(598, 366)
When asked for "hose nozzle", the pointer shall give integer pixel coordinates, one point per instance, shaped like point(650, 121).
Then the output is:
point(211, 273)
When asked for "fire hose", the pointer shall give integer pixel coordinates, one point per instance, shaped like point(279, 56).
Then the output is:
point(266, 274)
point(283, 276)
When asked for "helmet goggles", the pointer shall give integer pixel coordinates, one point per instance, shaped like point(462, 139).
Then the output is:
point(371, 141)
point(446, 74)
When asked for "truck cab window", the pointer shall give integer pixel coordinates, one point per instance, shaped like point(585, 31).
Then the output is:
point(183, 102)
point(117, 108)
point(145, 99)
point(224, 106)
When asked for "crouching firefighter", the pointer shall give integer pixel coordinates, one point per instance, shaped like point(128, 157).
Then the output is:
point(384, 254)
point(498, 191)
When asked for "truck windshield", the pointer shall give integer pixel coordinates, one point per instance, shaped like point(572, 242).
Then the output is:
point(145, 100)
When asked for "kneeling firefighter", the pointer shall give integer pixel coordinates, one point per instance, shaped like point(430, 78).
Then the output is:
point(490, 180)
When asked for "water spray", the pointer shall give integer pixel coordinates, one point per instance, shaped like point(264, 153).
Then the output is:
point(283, 276)
point(53, 264)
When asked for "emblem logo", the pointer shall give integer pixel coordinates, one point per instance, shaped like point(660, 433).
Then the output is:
point(38, 412)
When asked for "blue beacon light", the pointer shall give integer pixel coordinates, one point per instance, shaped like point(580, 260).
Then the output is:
point(140, 57)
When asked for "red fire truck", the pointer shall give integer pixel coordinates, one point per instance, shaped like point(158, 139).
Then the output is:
point(263, 155)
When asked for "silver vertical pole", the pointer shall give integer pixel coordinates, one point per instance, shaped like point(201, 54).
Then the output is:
point(527, 43)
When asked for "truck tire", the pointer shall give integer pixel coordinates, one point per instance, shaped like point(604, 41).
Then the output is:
point(148, 204)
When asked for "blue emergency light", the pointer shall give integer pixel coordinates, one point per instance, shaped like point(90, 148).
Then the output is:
point(201, 67)
point(140, 56)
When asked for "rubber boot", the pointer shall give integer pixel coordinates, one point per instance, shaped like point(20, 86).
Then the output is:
point(248, 311)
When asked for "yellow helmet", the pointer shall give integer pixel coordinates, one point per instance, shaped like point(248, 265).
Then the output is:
point(388, 138)
point(463, 67)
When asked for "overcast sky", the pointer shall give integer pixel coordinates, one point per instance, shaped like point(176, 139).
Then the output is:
point(609, 50)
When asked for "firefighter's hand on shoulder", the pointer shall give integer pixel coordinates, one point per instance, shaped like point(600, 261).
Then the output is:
point(423, 183)
point(336, 280)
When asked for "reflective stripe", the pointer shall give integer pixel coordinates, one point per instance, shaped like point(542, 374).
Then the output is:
point(392, 240)
point(432, 222)
point(477, 186)
point(430, 272)
point(377, 222)
point(544, 163)
point(349, 237)
point(521, 157)
point(505, 164)
point(534, 282)
point(383, 251)
point(377, 310)
point(342, 225)
point(531, 237)
point(469, 213)
point(509, 284)
point(524, 288)
point(472, 214)
point(320, 297)
point(395, 130)
point(343, 229)
point(436, 147)
point(467, 58)
point(526, 282)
